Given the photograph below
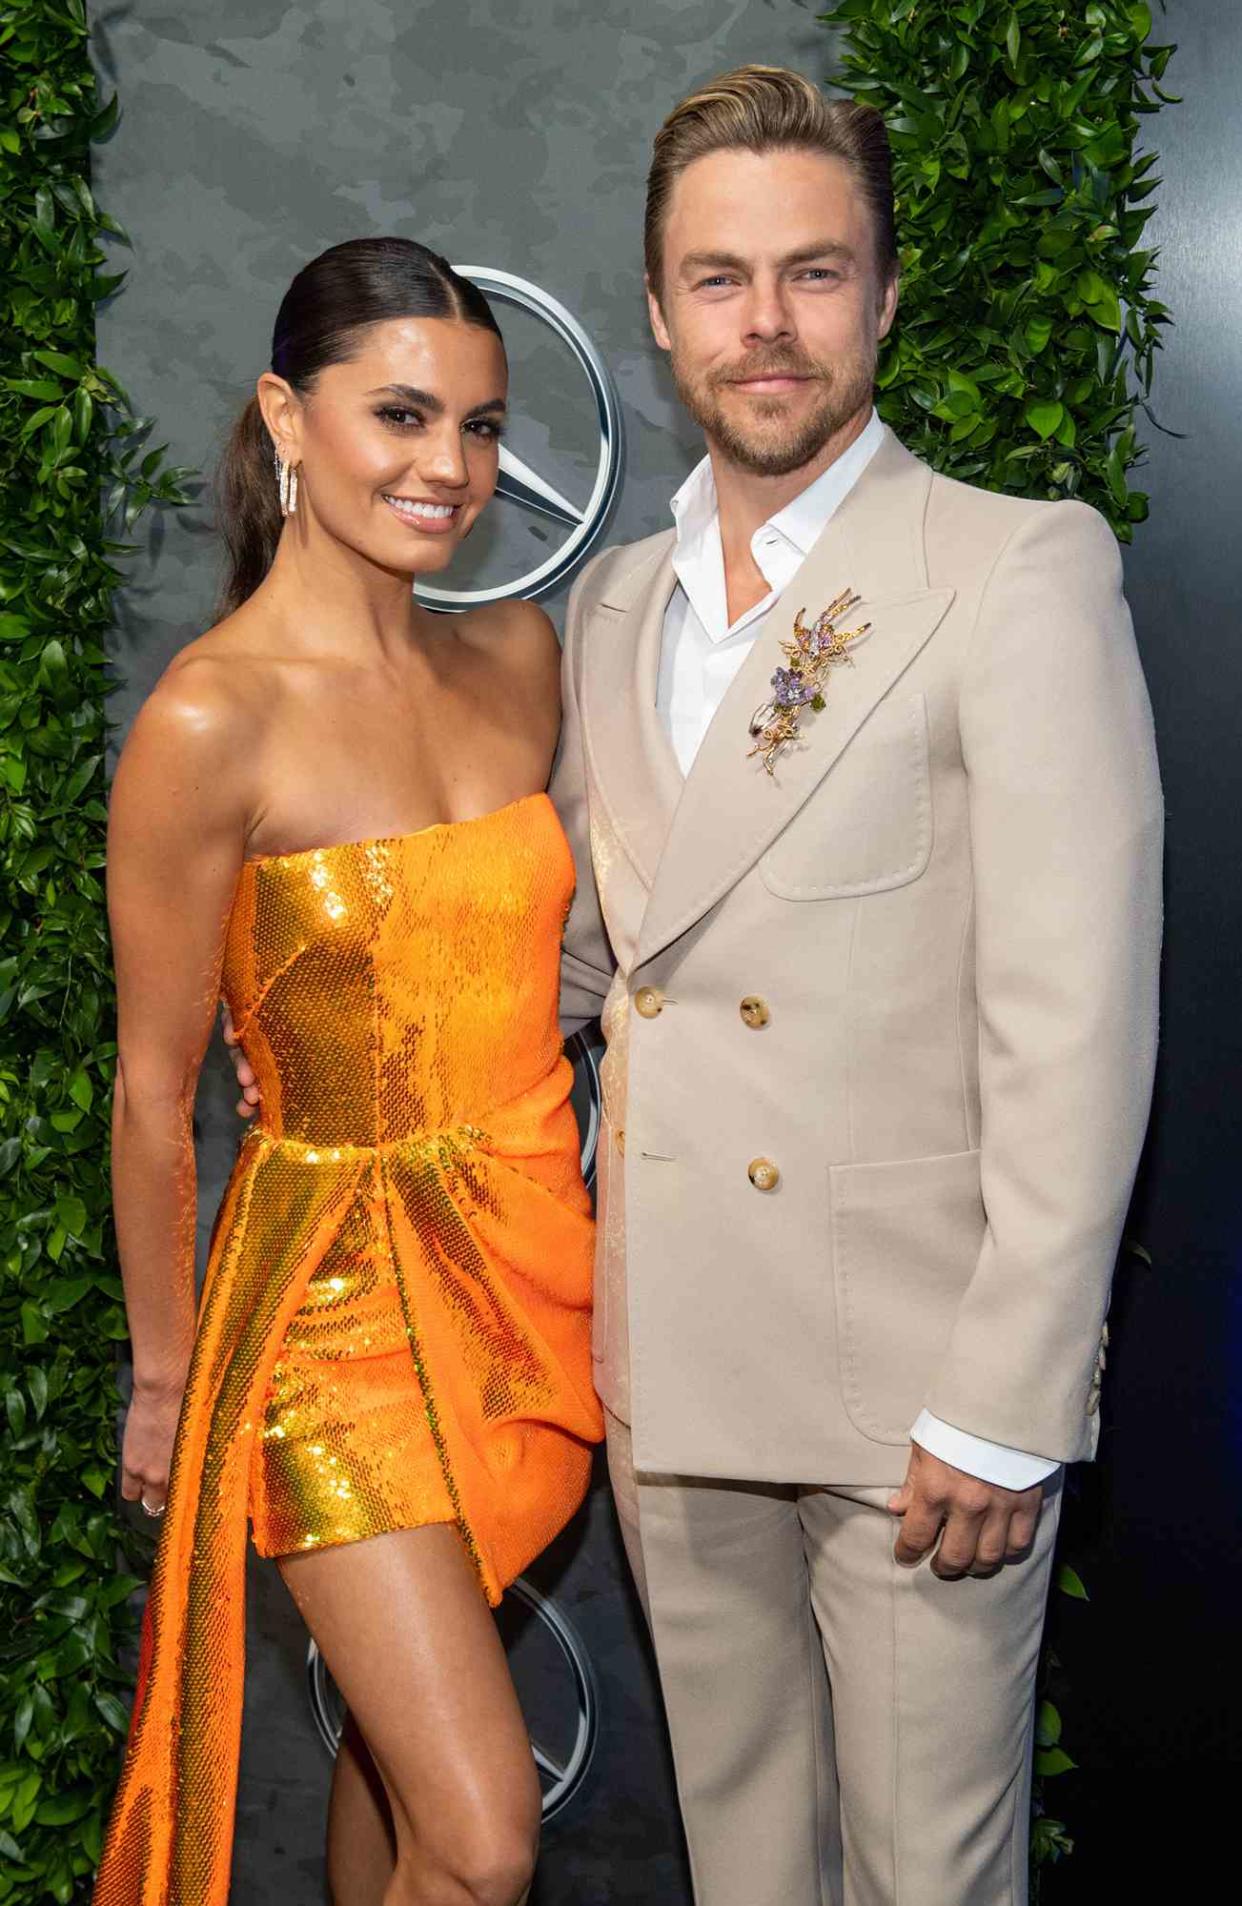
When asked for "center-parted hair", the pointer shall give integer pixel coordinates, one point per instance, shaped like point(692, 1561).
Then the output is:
point(321, 318)
point(768, 109)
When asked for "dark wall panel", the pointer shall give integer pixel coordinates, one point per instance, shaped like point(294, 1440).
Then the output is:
point(1152, 1661)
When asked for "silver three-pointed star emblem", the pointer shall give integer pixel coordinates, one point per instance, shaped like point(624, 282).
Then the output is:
point(578, 523)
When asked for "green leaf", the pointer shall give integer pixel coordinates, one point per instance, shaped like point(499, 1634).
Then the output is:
point(71, 1214)
point(1044, 414)
point(34, 1324)
point(60, 361)
point(113, 1713)
point(1050, 1761)
point(63, 1293)
point(1013, 38)
point(40, 387)
point(81, 1090)
point(1038, 331)
point(1070, 1583)
point(60, 1810)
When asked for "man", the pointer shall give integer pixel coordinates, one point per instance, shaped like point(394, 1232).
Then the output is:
point(881, 1025)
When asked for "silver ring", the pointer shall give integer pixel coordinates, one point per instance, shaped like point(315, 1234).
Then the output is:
point(147, 1510)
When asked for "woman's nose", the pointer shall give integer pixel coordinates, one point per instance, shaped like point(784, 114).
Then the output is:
point(444, 460)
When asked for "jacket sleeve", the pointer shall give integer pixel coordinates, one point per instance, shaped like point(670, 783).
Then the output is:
point(1066, 837)
point(587, 962)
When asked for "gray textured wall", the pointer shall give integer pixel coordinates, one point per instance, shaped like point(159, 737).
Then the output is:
point(254, 134)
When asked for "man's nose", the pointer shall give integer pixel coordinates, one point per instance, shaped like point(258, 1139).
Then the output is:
point(767, 316)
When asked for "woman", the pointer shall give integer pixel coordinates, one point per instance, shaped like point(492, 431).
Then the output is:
point(332, 809)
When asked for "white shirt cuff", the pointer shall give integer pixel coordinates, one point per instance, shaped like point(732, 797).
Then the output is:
point(991, 1462)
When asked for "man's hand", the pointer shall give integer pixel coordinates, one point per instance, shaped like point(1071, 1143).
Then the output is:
point(248, 1103)
point(980, 1526)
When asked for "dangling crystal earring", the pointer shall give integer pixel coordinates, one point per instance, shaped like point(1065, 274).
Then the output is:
point(286, 485)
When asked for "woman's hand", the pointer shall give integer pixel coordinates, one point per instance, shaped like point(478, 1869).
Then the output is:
point(146, 1451)
point(248, 1103)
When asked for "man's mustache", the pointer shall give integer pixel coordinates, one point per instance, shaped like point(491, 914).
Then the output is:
point(771, 364)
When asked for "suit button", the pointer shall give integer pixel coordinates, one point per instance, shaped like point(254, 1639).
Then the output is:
point(648, 1002)
point(619, 1138)
point(754, 1011)
point(763, 1174)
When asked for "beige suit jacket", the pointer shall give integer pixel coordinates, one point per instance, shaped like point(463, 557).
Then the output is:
point(948, 899)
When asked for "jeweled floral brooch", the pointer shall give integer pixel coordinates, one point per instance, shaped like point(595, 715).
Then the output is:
point(811, 654)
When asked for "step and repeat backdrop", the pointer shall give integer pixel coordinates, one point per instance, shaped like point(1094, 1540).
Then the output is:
point(515, 140)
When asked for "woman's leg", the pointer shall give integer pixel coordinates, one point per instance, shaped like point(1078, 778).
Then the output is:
point(362, 1847)
point(410, 1641)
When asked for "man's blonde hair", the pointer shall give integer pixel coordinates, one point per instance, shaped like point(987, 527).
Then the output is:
point(763, 109)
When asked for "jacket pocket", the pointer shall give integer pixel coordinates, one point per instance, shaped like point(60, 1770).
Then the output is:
point(868, 826)
point(906, 1238)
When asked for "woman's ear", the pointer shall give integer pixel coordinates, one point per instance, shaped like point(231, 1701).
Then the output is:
point(282, 413)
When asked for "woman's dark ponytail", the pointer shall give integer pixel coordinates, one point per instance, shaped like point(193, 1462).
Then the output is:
point(365, 281)
point(249, 506)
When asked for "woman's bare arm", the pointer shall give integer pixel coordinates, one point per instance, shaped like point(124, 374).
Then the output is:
point(177, 833)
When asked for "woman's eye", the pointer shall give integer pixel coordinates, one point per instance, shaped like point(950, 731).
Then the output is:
point(487, 429)
point(398, 417)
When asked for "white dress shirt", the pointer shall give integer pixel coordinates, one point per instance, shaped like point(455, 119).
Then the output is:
point(699, 656)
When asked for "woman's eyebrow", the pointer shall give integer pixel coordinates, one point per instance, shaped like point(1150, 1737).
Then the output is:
point(427, 400)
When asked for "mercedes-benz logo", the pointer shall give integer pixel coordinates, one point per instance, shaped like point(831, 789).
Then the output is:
point(521, 483)
point(556, 1687)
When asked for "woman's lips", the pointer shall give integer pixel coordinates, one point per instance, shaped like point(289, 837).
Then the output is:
point(430, 519)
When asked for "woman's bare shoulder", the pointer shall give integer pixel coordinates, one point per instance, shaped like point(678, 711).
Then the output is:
point(519, 647)
point(518, 635)
point(208, 709)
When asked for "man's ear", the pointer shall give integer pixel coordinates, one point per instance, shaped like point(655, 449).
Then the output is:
point(659, 329)
point(888, 305)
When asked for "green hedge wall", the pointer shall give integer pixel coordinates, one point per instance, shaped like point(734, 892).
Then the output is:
point(1027, 330)
point(68, 441)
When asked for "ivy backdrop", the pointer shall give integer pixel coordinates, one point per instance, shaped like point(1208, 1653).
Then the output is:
point(74, 473)
point(1024, 347)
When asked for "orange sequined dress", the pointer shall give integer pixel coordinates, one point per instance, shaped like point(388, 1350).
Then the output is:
point(394, 1328)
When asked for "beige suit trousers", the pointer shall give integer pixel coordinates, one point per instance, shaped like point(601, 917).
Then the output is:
point(846, 1731)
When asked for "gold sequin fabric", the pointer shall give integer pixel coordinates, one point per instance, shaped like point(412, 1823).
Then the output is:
point(395, 1324)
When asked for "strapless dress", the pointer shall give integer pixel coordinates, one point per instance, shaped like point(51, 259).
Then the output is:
point(395, 1324)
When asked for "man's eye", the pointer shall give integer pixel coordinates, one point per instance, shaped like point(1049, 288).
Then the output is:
point(710, 284)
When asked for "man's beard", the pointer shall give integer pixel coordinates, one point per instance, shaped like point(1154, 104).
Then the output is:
point(764, 443)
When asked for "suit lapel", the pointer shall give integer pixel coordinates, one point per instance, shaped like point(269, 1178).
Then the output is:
point(633, 765)
point(731, 809)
